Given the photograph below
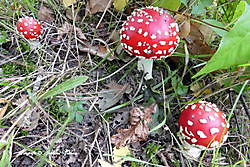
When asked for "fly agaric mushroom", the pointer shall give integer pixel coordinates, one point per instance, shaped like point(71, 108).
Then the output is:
point(149, 33)
point(29, 27)
point(202, 126)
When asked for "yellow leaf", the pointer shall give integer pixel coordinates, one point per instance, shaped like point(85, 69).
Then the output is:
point(117, 157)
point(120, 4)
point(4, 103)
point(68, 3)
point(118, 154)
point(105, 163)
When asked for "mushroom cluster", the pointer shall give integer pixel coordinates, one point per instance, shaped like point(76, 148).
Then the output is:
point(29, 27)
point(149, 33)
point(202, 126)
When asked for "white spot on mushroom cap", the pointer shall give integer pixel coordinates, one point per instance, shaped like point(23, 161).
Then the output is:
point(158, 52)
point(25, 24)
point(153, 36)
point(223, 124)
point(166, 33)
point(163, 42)
point(139, 44)
point(154, 45)
point(214, 130)
point(190, 123)
point(140, 20)
point(201, 134)
point(170, 50)
point(170, 43)
point(145, 34)
point(140, 31)
point(207, 109)
point(193, 106)
point(203, 121)
point(194, 140)
point(131, 28)
point(137, 51)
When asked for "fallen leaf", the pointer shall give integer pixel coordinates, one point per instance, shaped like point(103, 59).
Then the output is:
point(105, 163)
point(196, 41)
point(138, 129)
point(94, 6)
point(98, 50)
point(111, 96)
point(197, 89)
point(3, 107)
point(45, 14)
point(184, 25)
point(69, 28)
point(68, 3)
point(118, 153)
point(120, 4)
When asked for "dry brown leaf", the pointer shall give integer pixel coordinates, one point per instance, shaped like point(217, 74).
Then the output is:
point(94, 6)
point(111, 96)
point(138, 130)
point(69, 28)
point(3, 107)
point(98, 50)
point(45, 14)
point(196, 41)
point(184, 25)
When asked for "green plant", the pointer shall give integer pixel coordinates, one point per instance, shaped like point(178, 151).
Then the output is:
point(75, 110)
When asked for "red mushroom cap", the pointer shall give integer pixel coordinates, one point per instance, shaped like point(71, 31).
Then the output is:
point(150, 32)
point(29, 27)
point(203, 124)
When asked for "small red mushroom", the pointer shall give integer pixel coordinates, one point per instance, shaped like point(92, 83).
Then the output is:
point(149, 33)
point(202, 126)
point(29, 27)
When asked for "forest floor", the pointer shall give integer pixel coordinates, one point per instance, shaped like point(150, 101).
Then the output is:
point(100, 87)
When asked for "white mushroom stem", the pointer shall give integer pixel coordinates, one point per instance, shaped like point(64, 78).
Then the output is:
point(146, 65)
point(193, 152)
point(34, 44)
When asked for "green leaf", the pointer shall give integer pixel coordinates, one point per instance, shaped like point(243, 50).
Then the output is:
point(120, 4)
point(67, 85)
point(199, 8)
point(239, 10)
point(185, 2)
point(234, 48)
point(168, 4)
point(3, 37)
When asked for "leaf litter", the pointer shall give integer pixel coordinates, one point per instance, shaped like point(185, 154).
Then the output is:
point(111, 96)
point(138, 130)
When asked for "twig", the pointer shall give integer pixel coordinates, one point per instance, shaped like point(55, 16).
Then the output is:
point(194, 18)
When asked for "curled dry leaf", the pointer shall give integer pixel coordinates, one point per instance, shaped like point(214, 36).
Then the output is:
point(3, 107)
point(69, 28)
point(98, 50)
point(196, 40)
point(111, 96)
point(94, 6)
point(45, 14)
point(184, 25)
point(138, 129)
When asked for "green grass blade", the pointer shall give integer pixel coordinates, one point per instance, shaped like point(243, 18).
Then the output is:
point(67, 85)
